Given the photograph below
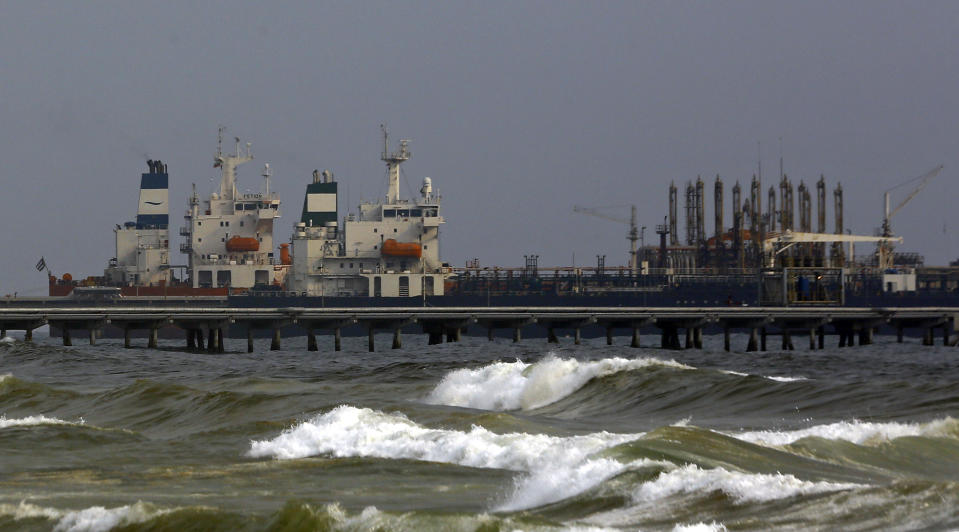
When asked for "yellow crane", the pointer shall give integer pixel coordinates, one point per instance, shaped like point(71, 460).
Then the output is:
point(885, 247)
point(632, 235)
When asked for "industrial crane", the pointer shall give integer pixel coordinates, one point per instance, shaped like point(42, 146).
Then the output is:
point(885, 247)
point(632, 235)
point(791, 238)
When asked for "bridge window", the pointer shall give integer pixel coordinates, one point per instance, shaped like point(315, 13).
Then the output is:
point(416, 213)
point(389, 213)
point(403, 213)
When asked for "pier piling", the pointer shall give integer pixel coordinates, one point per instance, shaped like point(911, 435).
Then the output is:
point(753, 339)
point(211, 340)
point(397, 339)
point(275, 344)
point(311, 340)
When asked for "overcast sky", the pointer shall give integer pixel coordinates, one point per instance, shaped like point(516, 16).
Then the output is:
point(516, 110)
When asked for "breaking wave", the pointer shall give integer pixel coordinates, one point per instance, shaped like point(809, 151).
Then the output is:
point(34, 420)
point(858, 432)
point(741, 487)
point(92, 519)
point(555, 467)
point(521, 386)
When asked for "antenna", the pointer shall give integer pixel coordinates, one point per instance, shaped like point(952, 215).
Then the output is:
point(781, 172)
point(219, 140)
point(386, 140)
point(759, 159)
point(267, 173)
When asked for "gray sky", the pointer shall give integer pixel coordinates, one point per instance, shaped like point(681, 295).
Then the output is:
point(517, 110)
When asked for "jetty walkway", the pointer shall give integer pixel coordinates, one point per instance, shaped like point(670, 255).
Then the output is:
point(204, 327)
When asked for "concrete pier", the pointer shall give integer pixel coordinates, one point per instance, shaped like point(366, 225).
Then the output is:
point(449, 323)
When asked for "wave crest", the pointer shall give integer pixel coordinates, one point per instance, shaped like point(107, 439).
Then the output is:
point(520, 386)
point(34, 420)
point(92, 519)
point(741, 487)
point(555, 467)
point(858, 432)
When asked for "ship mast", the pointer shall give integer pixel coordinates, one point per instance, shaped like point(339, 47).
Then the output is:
point(228, 164)
point(393, 161)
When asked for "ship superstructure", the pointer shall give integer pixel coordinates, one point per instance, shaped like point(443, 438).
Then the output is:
point(229, 235)
point(143, 247)
point(389, 248)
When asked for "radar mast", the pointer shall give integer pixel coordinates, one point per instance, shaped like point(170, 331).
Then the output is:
point(393, 161)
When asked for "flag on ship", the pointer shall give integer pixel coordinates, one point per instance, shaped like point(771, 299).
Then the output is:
point(41, 265)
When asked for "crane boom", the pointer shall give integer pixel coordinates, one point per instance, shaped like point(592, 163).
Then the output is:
point(791, 238)
point(632, 235)
point(885, 247)
point(923, 181)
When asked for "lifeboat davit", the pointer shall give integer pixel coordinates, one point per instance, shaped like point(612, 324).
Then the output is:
point(242, 243)
point(402, 249)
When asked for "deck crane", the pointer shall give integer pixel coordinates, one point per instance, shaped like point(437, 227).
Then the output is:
point(885, 247)
point(632, 235)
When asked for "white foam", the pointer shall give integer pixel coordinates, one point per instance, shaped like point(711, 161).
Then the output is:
point(25, 510)
point(93, 519)
point(521, 386)
point(701, 527)
point(7, 340)
point(100, 519)
point(5, 376)
point(34, 420)
point(787, 379)
point(858, 432)
point(555, 467)
point(772, 378)
point(741, 487)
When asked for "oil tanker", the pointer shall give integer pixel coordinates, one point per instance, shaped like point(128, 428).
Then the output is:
point(387, 253)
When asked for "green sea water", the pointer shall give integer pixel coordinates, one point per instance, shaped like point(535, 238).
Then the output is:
point(477, 435)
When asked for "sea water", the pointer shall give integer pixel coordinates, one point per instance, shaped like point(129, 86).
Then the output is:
point(477, 435)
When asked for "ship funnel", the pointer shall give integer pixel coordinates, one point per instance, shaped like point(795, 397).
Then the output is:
point(153, 210)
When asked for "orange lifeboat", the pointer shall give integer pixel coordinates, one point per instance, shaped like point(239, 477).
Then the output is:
point(402, 249)
point(241, 243)
point(285, 254)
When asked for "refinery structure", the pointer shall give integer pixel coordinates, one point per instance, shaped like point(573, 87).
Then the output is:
point(776, 246)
